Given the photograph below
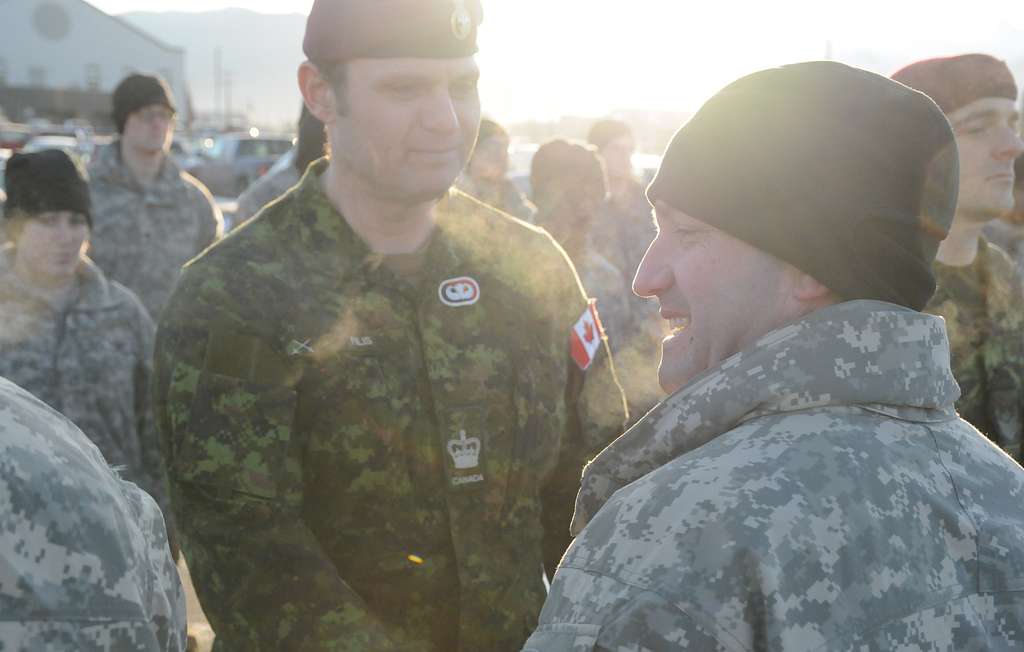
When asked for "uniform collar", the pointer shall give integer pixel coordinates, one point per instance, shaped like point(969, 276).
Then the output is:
point(869, 353)
point(93, 289)
point(349, 255)
point(109, 165)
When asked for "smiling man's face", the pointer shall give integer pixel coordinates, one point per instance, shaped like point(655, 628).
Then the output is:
point(719, 294)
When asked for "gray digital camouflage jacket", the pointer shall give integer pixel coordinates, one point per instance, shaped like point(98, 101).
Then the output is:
point(84, 561)
point(142, 236)
point(91, 361)
point(816, 491)
point(262, 191)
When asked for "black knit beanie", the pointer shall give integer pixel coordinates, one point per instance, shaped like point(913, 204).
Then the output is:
point(848, 176)
point(137, 92)
point(46, 181)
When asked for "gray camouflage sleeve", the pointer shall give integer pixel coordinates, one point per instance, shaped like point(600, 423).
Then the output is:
point(588, 611)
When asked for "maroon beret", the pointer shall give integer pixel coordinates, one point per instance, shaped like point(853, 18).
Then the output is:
point(954, 82)
point(340, 30)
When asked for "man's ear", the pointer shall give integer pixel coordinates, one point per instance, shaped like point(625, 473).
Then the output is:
point(317, 93)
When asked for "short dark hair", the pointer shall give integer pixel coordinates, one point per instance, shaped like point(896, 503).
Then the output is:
point(605, 131)
point(559, 165)
point(312, 141)
point(336, 74)
point(489, 129)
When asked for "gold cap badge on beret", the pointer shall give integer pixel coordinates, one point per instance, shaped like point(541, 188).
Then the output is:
point(462, 21)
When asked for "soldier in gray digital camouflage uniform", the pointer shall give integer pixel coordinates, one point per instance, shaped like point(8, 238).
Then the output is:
point(809, 485)
point(74, 339)
point(149, 217)
point(84, 562)
point(310, 145)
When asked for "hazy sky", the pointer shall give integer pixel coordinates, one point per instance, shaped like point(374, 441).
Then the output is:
point(542, 58)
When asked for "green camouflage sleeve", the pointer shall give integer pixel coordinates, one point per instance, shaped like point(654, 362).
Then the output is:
point(1002, 354)
point(226, 401)
point(596, 414)
point(154, 468)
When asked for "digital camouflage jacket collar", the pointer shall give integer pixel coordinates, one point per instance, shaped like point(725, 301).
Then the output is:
point(898, 364)
point(109, 166)
point(93, 291)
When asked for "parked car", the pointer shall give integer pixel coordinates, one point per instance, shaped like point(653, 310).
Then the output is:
point(14, 136)
point(77, 147)
point(233, 161)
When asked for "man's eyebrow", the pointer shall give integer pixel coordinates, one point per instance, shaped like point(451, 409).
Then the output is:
point(984, 116)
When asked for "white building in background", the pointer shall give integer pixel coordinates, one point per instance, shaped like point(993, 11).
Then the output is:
point(62, 59)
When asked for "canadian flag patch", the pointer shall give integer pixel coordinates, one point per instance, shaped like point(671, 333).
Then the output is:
point(586, 336)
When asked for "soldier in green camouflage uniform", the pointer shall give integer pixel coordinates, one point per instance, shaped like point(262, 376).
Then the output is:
point(379, 450)
point(984, 313)
point(979, 292)
point(149, 216)
point(809, 486)
point(84, 556)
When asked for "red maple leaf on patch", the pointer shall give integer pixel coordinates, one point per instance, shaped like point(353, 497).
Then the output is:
point(588, 332)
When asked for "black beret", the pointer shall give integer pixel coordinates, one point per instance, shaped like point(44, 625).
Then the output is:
point(845, 174)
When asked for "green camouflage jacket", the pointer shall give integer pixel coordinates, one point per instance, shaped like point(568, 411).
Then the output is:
point(816, 491)
point(91, 360)
point(983, 305)
point(84, 562)
point(142, 236)
point(361, 464)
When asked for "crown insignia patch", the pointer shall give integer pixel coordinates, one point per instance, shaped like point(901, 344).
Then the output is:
point(465, 451)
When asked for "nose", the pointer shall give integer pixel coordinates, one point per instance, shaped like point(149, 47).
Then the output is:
point(439, 114)
point(1010, 147)
point(653, 276)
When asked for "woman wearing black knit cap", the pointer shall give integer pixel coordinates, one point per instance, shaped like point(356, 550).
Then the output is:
point(71, 337)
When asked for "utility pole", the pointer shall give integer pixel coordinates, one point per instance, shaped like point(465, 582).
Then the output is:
point(228, 80)
point(218, 71)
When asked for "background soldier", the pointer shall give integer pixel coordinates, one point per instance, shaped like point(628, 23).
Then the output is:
point(77, 341)
point(809, 486)
point(486, 176)
point(309, 146)
point(623, 228)
point(979, 292)
point(149, 217)
point(568, 183)
point(374, 397)
point(84, 554)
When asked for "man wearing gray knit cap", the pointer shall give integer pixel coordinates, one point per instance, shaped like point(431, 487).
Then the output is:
point(809, 485)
